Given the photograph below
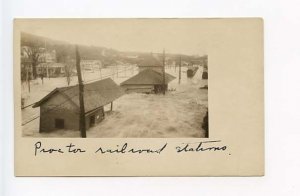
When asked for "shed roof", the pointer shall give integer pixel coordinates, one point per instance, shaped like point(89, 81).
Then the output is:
point(149, 76)
point(96, 94)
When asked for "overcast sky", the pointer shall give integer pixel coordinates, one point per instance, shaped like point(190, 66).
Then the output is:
point(141, 35)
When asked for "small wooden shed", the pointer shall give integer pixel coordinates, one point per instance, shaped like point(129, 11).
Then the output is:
point(150, 77)
point(60, 108)
point(147, 81)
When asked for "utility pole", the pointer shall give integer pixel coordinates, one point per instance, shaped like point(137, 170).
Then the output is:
point(132, 70)
point(113, 71)
point(27, 77)
point(100, 70)
point(81, 96)
point(164, 77)
point(117, 70)
point(179, 78)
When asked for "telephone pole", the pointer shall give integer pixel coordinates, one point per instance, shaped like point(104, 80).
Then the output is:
point(179, 78)
point(164, 77)
point(27, 77)
point(100, 71)
point(81, 96)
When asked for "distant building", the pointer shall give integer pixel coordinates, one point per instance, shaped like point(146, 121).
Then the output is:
point(46, 63)
point(149, 79)
point(47, 56)
point(51, 70)
point(60, 108)
point(191, 71)
point(90, 65)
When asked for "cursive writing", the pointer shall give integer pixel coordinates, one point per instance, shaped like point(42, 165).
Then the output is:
point(125, 149)
point(38, 148)
point(203, 146)
point(200, 147)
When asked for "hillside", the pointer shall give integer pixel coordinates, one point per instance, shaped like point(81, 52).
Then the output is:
point(107, 55)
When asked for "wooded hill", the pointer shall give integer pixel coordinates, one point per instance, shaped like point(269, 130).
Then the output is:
point(106, 55)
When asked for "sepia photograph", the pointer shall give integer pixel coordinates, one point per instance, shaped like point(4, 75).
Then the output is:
point(122, 78)
point(120, 93)
point(149, 97)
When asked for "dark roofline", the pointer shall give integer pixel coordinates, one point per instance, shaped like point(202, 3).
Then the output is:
point(62, 90)
point(149, 69)
point(37, 104)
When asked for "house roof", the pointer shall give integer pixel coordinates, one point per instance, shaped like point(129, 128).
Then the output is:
point(96, 94)
point(149, 76)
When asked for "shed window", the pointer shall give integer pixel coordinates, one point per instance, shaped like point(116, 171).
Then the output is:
point(59, 123)
point(92, 120)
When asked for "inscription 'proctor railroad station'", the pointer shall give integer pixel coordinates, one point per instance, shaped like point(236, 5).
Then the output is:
point(203, 146)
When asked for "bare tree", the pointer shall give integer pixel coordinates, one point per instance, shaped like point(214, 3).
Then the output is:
point(32, 54)
point(68, 73)
point(62, 57)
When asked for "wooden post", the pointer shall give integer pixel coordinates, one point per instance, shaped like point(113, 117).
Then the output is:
point(117, 71)
point(81, 96)
point(48, 72)
point(27, 78)
point(179, 77)
point(132, 70)
point(111, 106)
point(42, 74)
point(164, 77)
point(100, 71)
point(83, 76)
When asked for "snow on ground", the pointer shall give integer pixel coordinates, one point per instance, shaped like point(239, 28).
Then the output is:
point(179, 113)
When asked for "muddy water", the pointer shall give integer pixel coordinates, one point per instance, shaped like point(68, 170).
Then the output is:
point(177, 114)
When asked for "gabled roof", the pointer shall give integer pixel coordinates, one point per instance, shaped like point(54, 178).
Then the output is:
point(149, 76)
point(96, 94)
